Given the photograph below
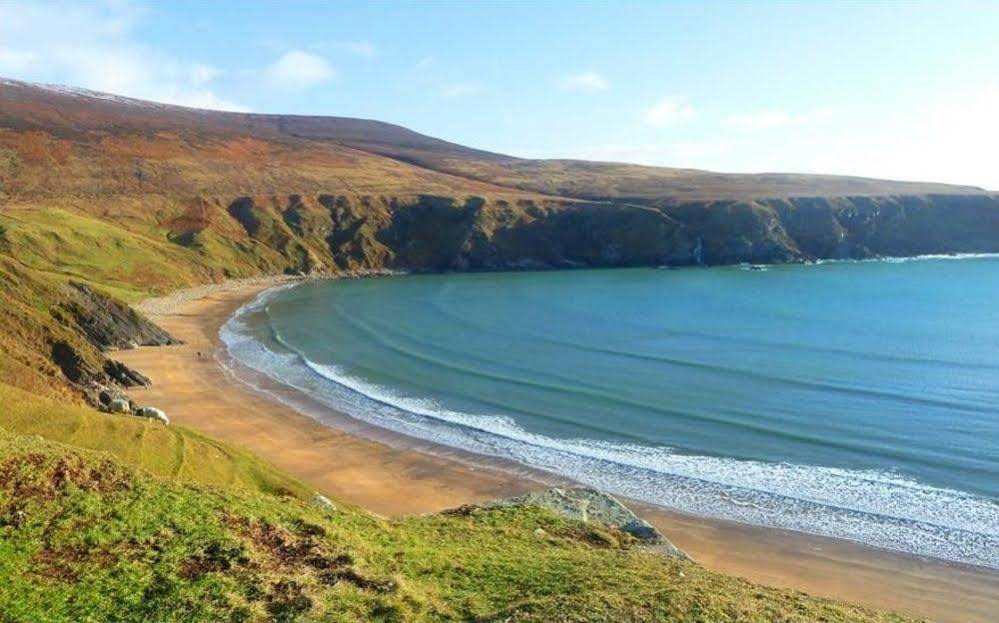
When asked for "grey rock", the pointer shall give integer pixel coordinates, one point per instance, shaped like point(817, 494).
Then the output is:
point(107, 323)
point(590, 505)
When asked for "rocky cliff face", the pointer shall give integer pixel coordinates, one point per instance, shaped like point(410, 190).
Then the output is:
point(781, 230)
point(431, 233)
point(108, 324)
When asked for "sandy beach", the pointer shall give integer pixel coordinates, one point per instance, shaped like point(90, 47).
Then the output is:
point(391, 475)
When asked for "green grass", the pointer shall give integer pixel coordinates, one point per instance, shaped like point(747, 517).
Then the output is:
point(93, 251)
point(85, 538)
point(172, 452)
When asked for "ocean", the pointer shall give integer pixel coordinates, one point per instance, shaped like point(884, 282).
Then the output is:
point(857, 400)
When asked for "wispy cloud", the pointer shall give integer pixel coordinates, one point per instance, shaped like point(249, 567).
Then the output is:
point(297, 69)
point(95, 46)
point(424, 63)
point(768, 119)
point(669, 110)
point(460, 89)
point(586, 81)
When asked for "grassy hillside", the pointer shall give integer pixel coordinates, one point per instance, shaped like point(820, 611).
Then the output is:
point(93, 145)
point(171, 452)
point(84, 537)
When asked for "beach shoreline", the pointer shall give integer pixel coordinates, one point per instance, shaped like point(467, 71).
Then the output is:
point(395, 475)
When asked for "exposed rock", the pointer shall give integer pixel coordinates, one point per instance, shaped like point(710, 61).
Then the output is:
point(109, 324)
point(437, 233)
point(590, 505)
point(123, 375)
point(72, 363)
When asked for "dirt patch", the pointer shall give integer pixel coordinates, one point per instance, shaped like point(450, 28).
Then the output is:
point(41, 476)
point(217, 558)
point(286, 600)
point(596, 535)
point(279, 549)
point(70, 563)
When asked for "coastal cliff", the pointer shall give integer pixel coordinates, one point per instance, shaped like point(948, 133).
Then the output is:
point(433, 233)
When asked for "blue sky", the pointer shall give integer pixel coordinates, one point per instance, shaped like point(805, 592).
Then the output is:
point(908, 91)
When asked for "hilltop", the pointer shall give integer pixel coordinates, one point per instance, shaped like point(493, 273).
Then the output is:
point(357, 155)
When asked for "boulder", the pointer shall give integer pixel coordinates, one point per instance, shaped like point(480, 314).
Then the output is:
point(152, 413)
point(590, 505)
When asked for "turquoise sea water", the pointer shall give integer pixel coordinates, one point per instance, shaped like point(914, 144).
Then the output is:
point(858, 400)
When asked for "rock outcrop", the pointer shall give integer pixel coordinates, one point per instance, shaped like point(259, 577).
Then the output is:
point(109, 324)
point(102, 323)
point(590, 505)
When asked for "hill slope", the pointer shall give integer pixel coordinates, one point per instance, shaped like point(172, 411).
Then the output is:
point(74, 113)
point(83, 537)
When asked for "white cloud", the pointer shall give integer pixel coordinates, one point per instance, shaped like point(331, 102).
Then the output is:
point(424, 63)
point(93, 46)
point(460, 89)
point(586, 81)
point(669, 110)
point(299, 70)
point(768, 119)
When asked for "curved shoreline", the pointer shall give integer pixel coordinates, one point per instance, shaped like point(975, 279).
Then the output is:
point(393, 475)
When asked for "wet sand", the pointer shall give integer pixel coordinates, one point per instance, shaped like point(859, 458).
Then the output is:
point(393, 475)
